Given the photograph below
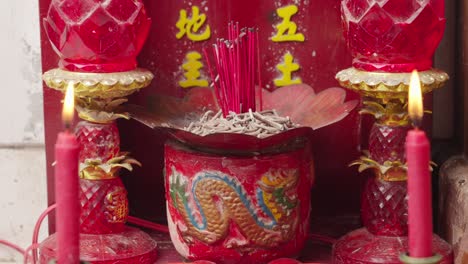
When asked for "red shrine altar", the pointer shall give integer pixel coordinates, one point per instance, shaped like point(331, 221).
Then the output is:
point(300, 42)
point(322, 54)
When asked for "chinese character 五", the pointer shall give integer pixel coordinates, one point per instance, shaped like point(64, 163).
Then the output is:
point(287, 29)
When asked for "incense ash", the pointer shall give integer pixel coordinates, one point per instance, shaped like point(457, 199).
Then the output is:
point(259, 124)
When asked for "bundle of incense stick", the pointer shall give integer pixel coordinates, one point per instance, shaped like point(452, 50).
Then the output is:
point(259, 124)
point(237, 62)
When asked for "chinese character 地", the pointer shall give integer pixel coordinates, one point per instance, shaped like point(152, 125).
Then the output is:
point(192, 26)
point(287, 68)
point(286, 30)
point(192, 74)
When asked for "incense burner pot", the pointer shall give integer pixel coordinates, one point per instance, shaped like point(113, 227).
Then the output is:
point(238, 207)
point(237, 198)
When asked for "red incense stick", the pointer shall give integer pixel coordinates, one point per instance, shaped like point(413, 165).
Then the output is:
point(236, 62)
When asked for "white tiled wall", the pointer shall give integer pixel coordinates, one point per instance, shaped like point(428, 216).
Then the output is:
point(23, 193)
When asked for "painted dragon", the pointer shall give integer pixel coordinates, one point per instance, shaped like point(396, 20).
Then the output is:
point(268, 219)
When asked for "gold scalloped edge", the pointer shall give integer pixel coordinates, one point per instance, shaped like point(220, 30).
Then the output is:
point(99, 85)
point(388, 86)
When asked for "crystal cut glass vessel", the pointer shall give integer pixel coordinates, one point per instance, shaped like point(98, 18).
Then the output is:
point(393, 35)
point(97, 35)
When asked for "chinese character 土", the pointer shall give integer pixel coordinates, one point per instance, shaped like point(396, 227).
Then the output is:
point(287, 29)
point(192, 26)
point(287, 68)
point(192, 74)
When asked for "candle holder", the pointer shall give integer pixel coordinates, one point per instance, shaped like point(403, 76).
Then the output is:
point(99, 59)
point(388, 40)
point(384, 209)
point(430, 260)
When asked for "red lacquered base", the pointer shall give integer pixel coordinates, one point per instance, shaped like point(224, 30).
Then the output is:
point(128, 247)
point(362, 247)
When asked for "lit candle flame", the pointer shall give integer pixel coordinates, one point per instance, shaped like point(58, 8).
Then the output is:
point(69, 105)
point(415, 102)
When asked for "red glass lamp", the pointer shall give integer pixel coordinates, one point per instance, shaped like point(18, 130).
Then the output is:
point(97, 36)
point(97, 42)
point(393, 36)
point(388, 39)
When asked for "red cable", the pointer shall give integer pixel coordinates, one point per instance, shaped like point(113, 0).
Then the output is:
point(131, 219)
point(162, 228)
point(322, 238)
point(26, 253)
point(38, 227)
point(13, 246)
point(147, 224)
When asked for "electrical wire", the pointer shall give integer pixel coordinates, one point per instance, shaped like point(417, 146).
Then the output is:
point(163, 228)
point(13, 246)
point(37, 228)
point(147, 224)
point(26, 253)
point(131, 219)
point(35, 244)
point(322, 238)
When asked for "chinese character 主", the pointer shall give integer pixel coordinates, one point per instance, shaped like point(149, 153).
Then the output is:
point(286, 30)
point(287, 68)
point(191, 26)
point(192, 74)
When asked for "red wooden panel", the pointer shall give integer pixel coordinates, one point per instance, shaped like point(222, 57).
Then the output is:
point(321, 56)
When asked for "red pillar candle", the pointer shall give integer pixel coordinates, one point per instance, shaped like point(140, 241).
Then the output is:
point(66, 188)
point(419, 178)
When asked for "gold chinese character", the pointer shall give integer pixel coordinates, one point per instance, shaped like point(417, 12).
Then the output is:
point(287, 68)
point(117, 206)
point(191, 26)
point(192, 74)
point(287, 25)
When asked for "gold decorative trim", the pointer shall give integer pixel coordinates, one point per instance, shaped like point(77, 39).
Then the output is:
point(391, 114)
point(389, 171)
point(387, 86)
point(95, 169)
point(406, 259)
point(102, 111)
point(99, 85)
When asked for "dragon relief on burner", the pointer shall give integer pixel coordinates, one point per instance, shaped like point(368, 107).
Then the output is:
point(267, 218)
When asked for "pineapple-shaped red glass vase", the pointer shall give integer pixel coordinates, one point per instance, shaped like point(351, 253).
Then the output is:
point(104, 204)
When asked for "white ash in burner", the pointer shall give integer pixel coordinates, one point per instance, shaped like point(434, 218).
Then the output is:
point(259, 124)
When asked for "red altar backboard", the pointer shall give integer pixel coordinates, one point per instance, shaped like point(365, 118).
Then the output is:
point(317, 46)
